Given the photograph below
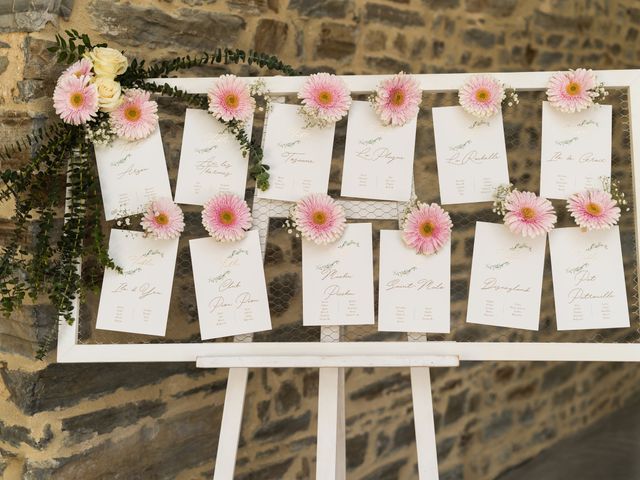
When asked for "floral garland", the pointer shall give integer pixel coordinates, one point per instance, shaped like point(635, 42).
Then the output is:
point(103, 95)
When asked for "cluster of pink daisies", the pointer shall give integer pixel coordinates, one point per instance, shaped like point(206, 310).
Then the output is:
point(226, 217)
point(88, 94)
point(529, 215)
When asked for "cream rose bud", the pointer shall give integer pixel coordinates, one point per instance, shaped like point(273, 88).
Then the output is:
point(107, 62)
point(109, 93)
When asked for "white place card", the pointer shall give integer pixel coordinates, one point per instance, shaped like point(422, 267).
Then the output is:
point(576, 150)
point(414, 289)
point(230, 287)
point(337, 279)
point(471, 155)
point(132, 173)
point(506, 278)
point(299, 158)
point(137, 300)
point(588, 279)
point(378, 159)
point(211, 161)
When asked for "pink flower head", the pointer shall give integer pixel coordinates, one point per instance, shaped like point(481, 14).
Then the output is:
point(427, 228)
point(319, 218)
point(226, 217)
point(136, 117)
point(481, 96)
point(528, 215)
point(75, 99)
point(230, 99)
point(163, 219)
point(81, 68)
point(593, 209)
point(325, 99)
point(397, 99)
point(572, 91)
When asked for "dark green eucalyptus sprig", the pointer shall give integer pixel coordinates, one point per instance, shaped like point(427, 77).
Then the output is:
point(73, 48)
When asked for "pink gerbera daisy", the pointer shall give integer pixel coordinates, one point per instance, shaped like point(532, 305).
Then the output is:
point(319, 218)
point(528, 215)
point(572, 91)
point(136, 117)
point(230, 99)
point(325, 99)
point(427, 228)
point(81, 68)
point(397, 99)
point(481, 96)
point(593, 209)
point(75, 99)
point(163, 219)
point(226, 217)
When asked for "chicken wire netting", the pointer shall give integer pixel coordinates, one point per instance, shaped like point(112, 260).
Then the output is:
point(283, 253)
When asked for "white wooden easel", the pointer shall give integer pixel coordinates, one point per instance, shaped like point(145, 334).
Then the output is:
point(333, 356)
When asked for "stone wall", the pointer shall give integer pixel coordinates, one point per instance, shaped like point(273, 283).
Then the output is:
point(161, 420)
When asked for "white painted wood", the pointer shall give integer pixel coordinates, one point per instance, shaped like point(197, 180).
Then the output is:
point(465, 351)
point(634, 134)
point(331, 443)
point(424, 423)
point(231, 424)
point(310, 361)
point(423, 417)
point(439, 82)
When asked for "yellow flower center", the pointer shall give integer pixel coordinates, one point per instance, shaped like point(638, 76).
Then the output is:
point(325, 98)
point(231, 100)
point(573, 88)
point(162, 219)
point(227, 217)
point(594, 208)
point(482, 95)
point(77, 99)
point(528, 213)
point(427, 228)
point(132, 113)
point(397, 98)
point(319, 218)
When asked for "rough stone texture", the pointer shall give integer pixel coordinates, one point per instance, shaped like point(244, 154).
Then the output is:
point(161, 420)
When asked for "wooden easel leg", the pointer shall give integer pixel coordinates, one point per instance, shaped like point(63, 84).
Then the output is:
point(331, 445)
point(231, 424)
point(423, 417)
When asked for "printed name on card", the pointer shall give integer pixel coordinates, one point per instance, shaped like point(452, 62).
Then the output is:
point(337, 279)
point(576, 150)
point(211, 161)
point(137, 300)
point(414, 289)
point(588, 279)
point(230, 287)
point(132, 173)
point(506, 278)
point(378, 159)
point(471, 155)
point(299, 158)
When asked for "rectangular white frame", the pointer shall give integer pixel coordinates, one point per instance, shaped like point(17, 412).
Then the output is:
point(415, 354)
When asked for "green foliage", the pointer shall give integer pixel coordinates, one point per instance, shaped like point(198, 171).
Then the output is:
point(43, 254)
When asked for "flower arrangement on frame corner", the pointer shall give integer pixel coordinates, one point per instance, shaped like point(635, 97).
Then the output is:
point(102, 95)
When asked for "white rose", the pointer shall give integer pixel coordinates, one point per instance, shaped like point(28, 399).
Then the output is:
point(109, 93)
point(107, 62)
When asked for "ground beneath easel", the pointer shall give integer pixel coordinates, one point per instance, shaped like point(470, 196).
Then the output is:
point(606, 450)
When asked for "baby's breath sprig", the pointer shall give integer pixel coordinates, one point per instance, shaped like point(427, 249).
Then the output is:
point(612, 186)
point(598, 93)
point(500, 196)
point(510, 97)
point(262, 95)
point(99, 133)
point(290, 223)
